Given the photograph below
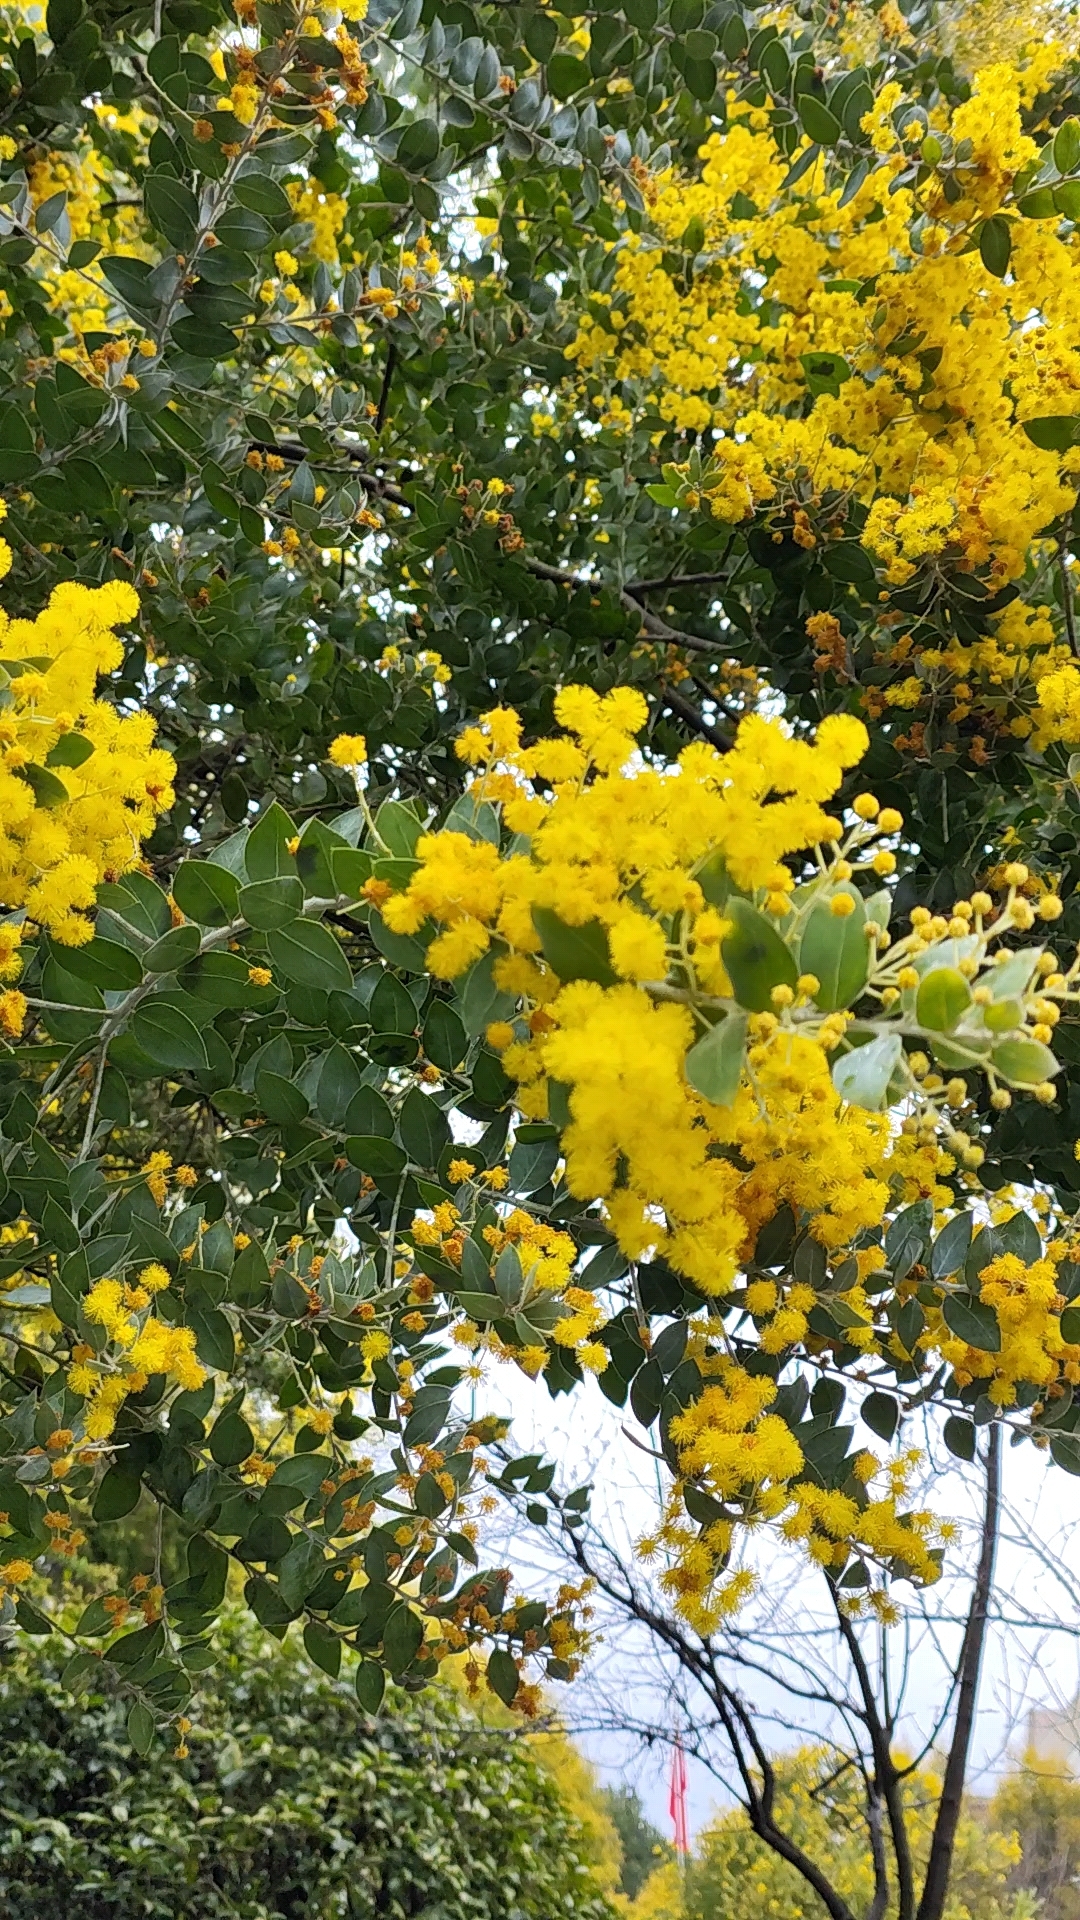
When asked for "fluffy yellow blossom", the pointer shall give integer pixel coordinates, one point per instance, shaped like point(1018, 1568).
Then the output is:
point(52, 856)
point(348, 750)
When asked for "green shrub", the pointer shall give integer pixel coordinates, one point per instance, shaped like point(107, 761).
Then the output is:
point(291, 1806)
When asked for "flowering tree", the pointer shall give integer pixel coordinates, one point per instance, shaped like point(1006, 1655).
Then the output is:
point(538, 689)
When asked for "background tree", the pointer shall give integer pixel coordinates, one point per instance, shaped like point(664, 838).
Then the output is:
point(287, 1804)
point(644, 1847)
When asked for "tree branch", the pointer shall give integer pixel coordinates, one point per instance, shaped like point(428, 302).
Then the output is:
point(387, 382)
point(939, 1864)
point(720, 737)
point(886, 1782)
point(738, 1726)
point(1066, 595)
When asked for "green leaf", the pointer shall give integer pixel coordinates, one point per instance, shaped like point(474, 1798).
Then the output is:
point(1065, 1451)
point(272, 903)
point(881, 1412)
point(104, 963)
point(399, 828)
point(117, 1495)
point(1038, 205)
point(140, 1728)
point(1070, 1326)
point(825, 373)
point(845, 560)
point(995, 245)
point(950, 1249)
point(480, 999)
point(169, 1038)
point(250, 1277)
point(821, 126)
point(403, 1636)
point(1024, 1062)
point(943, 998)
point(423, 1127)
point(445, 1040)
point(310, 955)
point(262, 195)
point(418, 146)
point(566, 75)
point(862, 1076)
point(368, 1113)
point(204, 339)
point(755, 956)
point(49, 790)
point(171, 207)
point(231, 1440)
point(575, 953)
point(266, 854)
point(382, 1159)
point(1053, 432)
point(71, 750)
point(324, 1647)
point(206, 893)
point(370, 1685)
point(837, 952)
point(1067, 146)
point(172, 951)
point(714, 1063)
point(214, 1343)
point(972, 1320)
point(959, 1437)
point(502, 1675)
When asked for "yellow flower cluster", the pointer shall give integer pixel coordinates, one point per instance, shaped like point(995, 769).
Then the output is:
point(1027, 1305)
point(635, 851)
point(146, 1346)
point(81, 785)
point(829, 351)
point(745, 1459)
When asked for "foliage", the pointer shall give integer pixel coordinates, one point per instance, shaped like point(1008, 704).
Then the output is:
point(286, 1806)
point(643, 1845)
point(733, 1872)
point(1042, 1804)
point(359, 368)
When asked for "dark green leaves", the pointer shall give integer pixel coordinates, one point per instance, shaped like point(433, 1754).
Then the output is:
point(995, 245)
point(171, 207)
point(820, 125)
point(971, 1320)
point(502, 1675)
point(169, 1037)
point(370, 1685)
point(825, 372)
point(950, 1249)
point(881, 1412)
point(959, 1437)
point(206, 893)
point(575, 953)
point(755, 956)
point(1053, 432)
point(309, 954)
point(1067, 146)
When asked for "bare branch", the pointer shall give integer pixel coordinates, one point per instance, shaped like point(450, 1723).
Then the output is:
point(936, 1884)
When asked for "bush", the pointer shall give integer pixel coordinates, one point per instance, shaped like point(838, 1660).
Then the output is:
point(291, 1806)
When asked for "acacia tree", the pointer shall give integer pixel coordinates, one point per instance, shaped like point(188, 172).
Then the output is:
point(378, 387)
